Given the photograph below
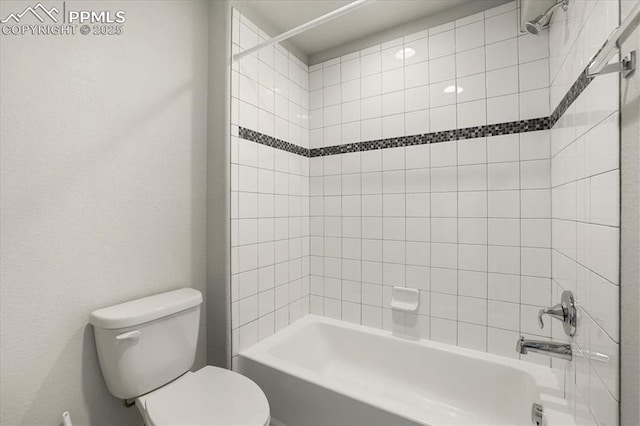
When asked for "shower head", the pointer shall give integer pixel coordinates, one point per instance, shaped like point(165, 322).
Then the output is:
point(535, 26)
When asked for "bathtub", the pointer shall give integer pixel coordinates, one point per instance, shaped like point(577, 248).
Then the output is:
point(320, 371)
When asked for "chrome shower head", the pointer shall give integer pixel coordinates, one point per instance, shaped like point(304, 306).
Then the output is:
point(536, 25)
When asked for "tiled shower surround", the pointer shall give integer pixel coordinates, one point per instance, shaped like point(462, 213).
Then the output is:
point(471, 72)
point(269, 191)
point(465, 221)
point(433, 162)
point(585, 182)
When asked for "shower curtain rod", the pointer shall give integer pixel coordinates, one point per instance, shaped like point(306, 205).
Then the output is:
point(304, 27)
point(600, 62)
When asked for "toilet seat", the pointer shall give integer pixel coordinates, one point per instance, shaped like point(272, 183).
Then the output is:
point(210, 396)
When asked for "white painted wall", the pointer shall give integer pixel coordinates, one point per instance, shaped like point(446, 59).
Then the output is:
point(218, 183)
point(102, 195)
point(630, 234)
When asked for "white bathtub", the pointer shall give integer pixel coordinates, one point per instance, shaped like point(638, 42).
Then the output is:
point(320, 371)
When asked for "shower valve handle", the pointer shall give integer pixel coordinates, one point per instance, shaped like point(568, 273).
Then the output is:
point(556, 311)
point(565, 311)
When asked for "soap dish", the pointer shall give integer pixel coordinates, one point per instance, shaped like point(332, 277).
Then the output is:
point(405, 299)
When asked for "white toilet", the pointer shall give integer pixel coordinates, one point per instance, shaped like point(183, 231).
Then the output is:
point(146, 348)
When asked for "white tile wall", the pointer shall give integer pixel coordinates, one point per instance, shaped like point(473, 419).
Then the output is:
point(585, 200)
point(465, 74)
point(467, 222)
point(473, 238)
point(269, 191)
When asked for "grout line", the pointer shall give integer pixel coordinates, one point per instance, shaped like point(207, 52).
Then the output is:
point(486, 343)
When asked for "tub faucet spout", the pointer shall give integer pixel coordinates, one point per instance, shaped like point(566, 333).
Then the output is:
point(556, 350)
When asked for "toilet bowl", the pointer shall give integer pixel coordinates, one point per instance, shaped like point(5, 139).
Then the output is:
point(209, 396)
point(146, 348)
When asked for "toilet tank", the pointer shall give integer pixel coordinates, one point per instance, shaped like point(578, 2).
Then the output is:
point(145, 343)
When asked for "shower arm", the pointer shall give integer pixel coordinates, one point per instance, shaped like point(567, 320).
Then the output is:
point(304, 27)
point(543, 19)
point(559, 3)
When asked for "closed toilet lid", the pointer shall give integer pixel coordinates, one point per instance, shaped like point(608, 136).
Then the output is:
point(210, 396)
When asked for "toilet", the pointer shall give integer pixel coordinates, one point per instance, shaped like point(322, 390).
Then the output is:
point(146, 348)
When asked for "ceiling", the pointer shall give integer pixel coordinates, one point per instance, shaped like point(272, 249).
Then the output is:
point(380, 15)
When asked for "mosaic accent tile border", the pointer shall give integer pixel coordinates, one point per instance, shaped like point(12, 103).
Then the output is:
point(508, 128)
point(574, 92)
point(261, 138)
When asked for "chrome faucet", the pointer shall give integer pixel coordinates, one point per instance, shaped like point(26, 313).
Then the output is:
point(557, 350)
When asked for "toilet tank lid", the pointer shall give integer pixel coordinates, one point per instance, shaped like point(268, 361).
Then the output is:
point(145, 309)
